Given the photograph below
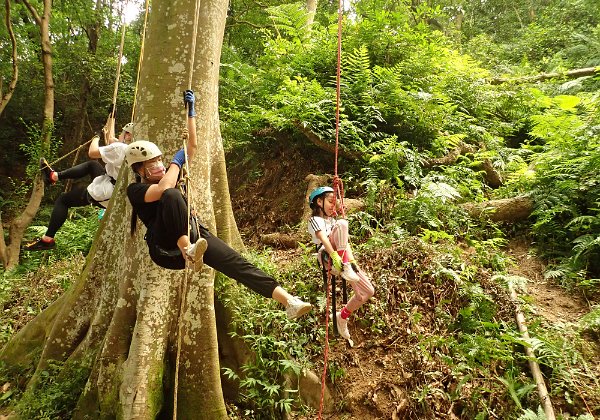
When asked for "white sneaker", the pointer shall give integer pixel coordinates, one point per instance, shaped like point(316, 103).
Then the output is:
point(349, 274)
point(296, 308)
point(342, 326)
point(195, 253)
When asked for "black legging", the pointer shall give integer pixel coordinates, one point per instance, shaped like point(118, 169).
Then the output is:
point(77, 197)
point(170, 225)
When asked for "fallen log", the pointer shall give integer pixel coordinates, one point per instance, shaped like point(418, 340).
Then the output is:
point(504, 210)
point(571, 74)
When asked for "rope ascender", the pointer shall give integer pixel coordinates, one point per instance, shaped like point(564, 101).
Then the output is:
point(338, 194)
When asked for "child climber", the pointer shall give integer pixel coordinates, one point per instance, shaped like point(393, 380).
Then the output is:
point(331, 236)
point(163, 210)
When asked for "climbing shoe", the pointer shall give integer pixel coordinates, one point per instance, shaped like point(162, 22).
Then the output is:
point(46, 172)
point(195, 253)
point(342, 325)
point(40, 245)
point(296, 308)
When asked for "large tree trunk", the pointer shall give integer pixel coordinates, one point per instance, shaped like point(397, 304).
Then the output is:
point(119, 322)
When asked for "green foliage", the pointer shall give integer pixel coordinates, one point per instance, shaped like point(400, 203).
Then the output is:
point(279, 347)
point(57, 392)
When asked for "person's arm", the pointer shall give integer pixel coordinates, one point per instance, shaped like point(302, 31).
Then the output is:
point(325, 241)
point(168, 181)
point(94, 149)
point(189, 101)
point(192, 143)
point(336, 260)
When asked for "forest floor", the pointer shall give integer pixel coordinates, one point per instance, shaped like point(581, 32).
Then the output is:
point(376, 366)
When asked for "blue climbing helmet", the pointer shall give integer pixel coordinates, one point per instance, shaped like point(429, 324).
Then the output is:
point(317, 192)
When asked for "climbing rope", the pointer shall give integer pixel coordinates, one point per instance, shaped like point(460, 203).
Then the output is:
point(189, 210)
point(338, 193)
point(118, 77)
point(137, 78)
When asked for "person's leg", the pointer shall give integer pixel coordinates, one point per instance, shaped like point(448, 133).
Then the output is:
point(77, 197)
point(91, 168)
point(228, 261)
point(363, 291)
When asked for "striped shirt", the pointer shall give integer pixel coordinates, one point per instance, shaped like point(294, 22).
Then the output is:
point(316, 224)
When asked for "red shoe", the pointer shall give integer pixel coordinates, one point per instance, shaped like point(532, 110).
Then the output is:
point(40, 245)
point(46, 172)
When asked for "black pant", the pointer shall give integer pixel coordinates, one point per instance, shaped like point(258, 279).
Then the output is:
point(170, 224)
point(77, 197)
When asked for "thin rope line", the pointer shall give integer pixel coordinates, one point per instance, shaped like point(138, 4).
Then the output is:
point(188, 192)
point(326, 351)
point(194, 36)
point(184, 289)
point(137, 78)
point(338, 83)
point(121, 47)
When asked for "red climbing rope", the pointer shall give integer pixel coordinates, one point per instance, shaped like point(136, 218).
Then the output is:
point(338, 193)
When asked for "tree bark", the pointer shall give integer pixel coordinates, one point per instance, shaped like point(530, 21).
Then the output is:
point(317, 141)
point(505, 210)
point(492, 177)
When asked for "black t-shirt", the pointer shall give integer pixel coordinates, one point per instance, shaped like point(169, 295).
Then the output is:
point(145, 211)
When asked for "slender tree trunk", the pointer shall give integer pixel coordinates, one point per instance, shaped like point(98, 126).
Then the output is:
point(311, 8)
point(20, 223)
point(5, 96)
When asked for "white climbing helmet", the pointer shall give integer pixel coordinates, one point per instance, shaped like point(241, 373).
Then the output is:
point(141, 151)
point(128, 128)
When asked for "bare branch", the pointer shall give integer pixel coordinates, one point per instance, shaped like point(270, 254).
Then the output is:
point(15, 76)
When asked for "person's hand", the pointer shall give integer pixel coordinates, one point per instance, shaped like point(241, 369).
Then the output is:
point(336, 260)
point(179, 158)
point(188, 100)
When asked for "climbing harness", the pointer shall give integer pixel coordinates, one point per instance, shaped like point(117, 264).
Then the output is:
point(338, 189)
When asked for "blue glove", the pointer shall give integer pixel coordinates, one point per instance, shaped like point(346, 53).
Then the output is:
point(179, 158)
point(188, 100)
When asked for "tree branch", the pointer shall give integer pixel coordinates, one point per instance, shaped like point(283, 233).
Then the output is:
point(13, 82)
point(34, 13)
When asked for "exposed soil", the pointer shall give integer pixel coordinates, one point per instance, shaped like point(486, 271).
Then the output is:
point(550, 301)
